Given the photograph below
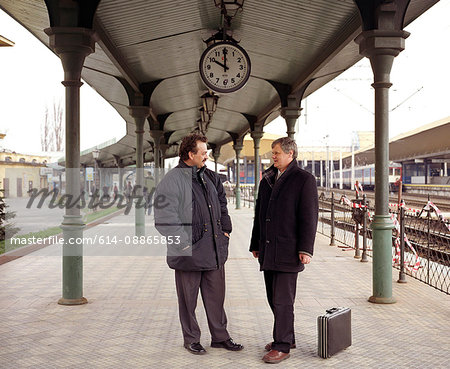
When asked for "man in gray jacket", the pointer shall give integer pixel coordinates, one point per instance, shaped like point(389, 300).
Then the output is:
point(200, 228)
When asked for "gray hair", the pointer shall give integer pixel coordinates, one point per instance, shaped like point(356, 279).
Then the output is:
point(287, 144)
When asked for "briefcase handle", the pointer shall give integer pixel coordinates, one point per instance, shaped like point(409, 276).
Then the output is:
point(332, 310)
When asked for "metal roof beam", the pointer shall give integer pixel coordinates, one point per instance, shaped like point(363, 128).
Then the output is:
point(115, 55)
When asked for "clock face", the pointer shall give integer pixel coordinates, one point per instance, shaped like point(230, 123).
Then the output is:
point(224, 67)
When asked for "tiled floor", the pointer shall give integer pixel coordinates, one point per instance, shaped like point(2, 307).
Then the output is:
point(131, 320)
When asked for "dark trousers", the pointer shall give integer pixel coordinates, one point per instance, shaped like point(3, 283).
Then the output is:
point(280, 289)
point(212, 286)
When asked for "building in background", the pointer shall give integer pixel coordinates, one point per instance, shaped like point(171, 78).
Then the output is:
point(21, 172)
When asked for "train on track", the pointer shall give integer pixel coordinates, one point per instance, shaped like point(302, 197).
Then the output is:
point(365, 175)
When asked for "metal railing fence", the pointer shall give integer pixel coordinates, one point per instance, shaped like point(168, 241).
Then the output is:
point(423, 253)
point(247, 194)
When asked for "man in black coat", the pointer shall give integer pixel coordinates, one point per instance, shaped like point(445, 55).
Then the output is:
point(283, 235)
point(191, 212)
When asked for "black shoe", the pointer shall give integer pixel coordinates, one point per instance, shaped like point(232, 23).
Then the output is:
point(229, 344)
point(195, 348)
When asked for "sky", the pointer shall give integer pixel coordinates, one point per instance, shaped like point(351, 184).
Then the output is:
point(31, 76)
point(419, 94)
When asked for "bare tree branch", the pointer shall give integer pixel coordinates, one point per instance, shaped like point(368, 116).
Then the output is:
point(58, 126)
point(52, 129)
point(45, 130)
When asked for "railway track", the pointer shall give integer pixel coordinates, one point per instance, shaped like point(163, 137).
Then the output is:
point(433, 244)
point(412, 200)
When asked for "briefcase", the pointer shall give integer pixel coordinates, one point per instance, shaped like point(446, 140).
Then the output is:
point(334, 331)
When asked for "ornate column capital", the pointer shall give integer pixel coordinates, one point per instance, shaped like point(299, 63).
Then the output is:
point(381, 47)
point(140, 114)
point(72, 45)
point(290, 112)
point(156, 135)
point(238, 148)
point(256, 135)
point(164, 148)
point(380, 41)
point(139, 111)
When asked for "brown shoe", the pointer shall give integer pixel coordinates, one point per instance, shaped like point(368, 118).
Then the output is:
point(274, 357)
point(268, 347)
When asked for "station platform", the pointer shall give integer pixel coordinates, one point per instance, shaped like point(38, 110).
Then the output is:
point(131, 320)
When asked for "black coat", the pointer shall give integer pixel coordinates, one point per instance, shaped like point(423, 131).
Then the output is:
point(285, 219)
point(191, 205)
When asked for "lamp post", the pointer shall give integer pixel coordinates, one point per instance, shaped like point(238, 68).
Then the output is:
point(327, 165)
point(210, 103)
point(203, 115)
point(95, 155)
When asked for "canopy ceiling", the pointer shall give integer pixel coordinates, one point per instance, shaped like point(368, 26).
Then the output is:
point(155, 46)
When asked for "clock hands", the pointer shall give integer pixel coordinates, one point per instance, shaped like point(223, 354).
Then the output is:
point(225, 68)
point(225, 52)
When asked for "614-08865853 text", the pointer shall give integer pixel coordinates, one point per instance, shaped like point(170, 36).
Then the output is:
point(139, 240)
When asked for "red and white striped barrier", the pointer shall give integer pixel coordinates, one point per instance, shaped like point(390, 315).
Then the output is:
point(402, 205)
point(438, 213)
point(396, 259)
point(358, 188)
point(346, 201)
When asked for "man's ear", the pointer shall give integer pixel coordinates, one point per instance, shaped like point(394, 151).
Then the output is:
point(191, 155)
point(291, 152)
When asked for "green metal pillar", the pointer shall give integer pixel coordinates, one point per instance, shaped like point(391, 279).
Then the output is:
point(72, 45)
point(216, 156)
point(118, 164)
point(156, 135)
point(256, 135)
point(237, 190)
point(381, 46)
point(163, 149)
point(140, 114)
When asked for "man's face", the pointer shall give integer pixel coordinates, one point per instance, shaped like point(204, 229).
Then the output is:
point(280, 159)
point(199, 159)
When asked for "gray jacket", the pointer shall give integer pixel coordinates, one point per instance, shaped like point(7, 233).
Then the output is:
point(191, 205)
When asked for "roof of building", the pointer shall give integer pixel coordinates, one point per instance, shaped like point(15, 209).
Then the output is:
point(227, 152)
point(428, 141)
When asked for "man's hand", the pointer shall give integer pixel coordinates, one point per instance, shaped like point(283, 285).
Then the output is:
point(226, 234)
point(255, 254)
point(305, 259)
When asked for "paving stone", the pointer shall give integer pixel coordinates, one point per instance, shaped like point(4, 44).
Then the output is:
point(131, 320)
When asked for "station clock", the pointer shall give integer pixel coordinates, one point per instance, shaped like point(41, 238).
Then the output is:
point(225, 67)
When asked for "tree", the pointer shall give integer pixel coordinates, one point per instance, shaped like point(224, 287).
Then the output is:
point(58, 126)
point(46, 138)
point(52, 129)
point(7, 228)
